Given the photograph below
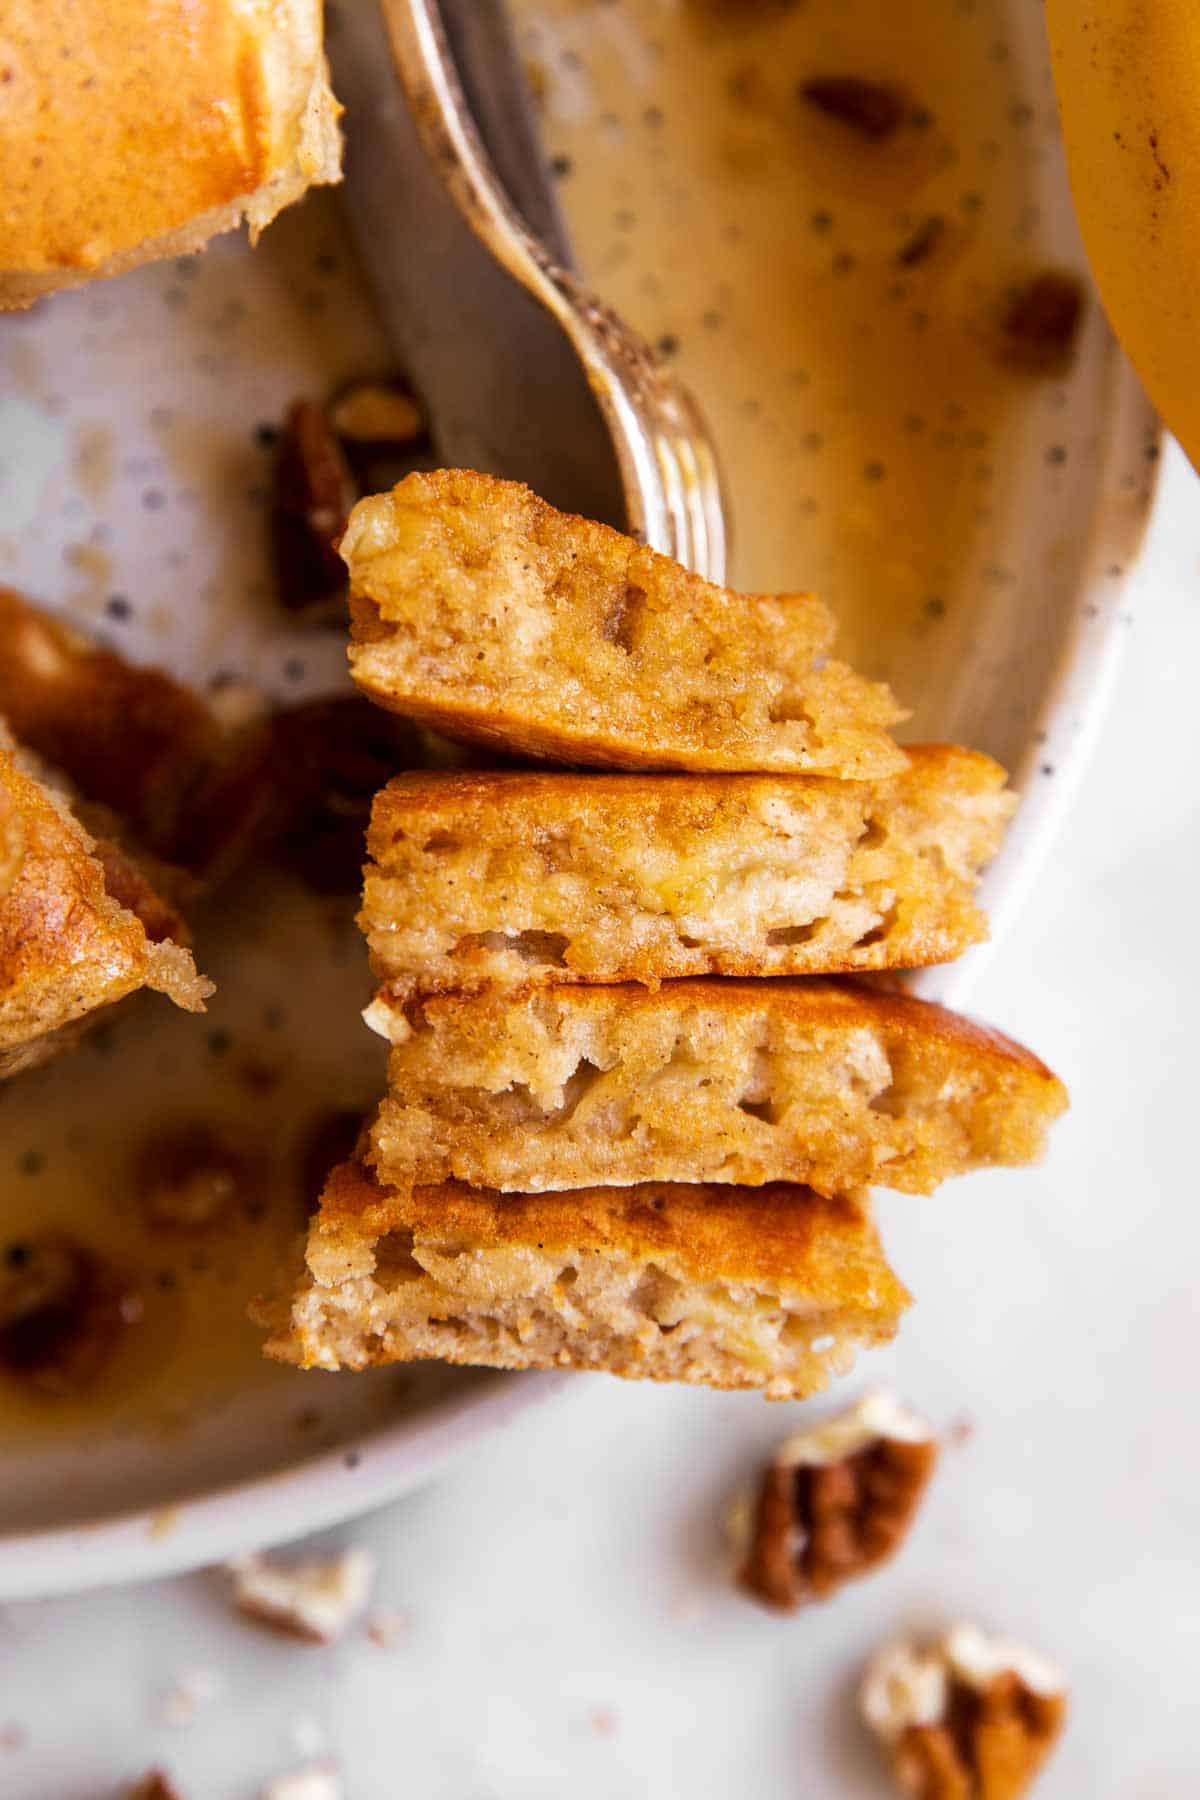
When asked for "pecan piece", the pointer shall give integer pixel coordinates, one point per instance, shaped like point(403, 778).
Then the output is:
point(189, 1177)
point(383, 431)
point(314, 490)
point(836, 1501)
point(871, 108)
point(63, 1311)
point(972, 1718)
point(156, 1784)
point(1041, 323)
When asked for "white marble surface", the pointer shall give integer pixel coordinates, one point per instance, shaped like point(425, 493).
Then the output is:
point(568, 1626)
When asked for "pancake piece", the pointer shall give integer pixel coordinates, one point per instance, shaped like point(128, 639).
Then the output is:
point(71, 941)
point(533, 878)
point(822, 1082)
point(772, 1289)
point(482, 612)
point(189, 785)
point(136, 129)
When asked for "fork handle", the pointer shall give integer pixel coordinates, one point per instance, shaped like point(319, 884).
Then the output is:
point(481, 42)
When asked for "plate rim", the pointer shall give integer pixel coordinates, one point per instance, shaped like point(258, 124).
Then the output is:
point(1064, 731)
point(379, 1466)
point(323, 1490)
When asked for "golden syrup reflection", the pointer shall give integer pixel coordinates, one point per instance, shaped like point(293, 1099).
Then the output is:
point(281, 1048)
point(831, 297)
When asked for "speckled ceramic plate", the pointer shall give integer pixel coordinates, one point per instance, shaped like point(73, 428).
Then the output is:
point(135, 424)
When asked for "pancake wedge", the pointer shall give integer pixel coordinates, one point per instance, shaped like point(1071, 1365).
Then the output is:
point(772, 1289)
point(482, 612)
point(823, 1082)
point(137, 129)
point(519, 878)
point(81, 926)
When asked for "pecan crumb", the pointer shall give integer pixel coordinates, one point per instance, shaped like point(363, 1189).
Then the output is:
point(972, 1718)
point(316, 1600)
point(314, 491)
point(189, 1177)
point(872, 108)
point(1041, 323)
point(387, 1627)
point(156, 1784)
point(63, 1311)
point(835, 1503)
point(370, 435)
point(377, 412)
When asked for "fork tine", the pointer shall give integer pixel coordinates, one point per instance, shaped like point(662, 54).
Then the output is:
point(668, 466)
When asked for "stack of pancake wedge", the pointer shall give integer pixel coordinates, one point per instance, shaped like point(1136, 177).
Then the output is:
point(632, 1115)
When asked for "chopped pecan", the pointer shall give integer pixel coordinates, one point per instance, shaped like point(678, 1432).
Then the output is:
point(872, 108)
point(972, 1718)
point(382, 429)
point(63, 1311)
point(371, 434)
point(333, 757)
point(314, 490)
point(1041, 323)
point(189, 1177)
point(156, 1784)
point(836, 1502)
point(317, 1600)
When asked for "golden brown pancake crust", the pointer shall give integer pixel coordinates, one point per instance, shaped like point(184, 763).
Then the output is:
point(484, 613)
point(773, 1291)
point(779, 1233)
point(133, 739)
point(519, 878)
point(67, 945)
point(122, 120)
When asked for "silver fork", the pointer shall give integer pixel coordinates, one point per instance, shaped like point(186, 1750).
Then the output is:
point(525, 372)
